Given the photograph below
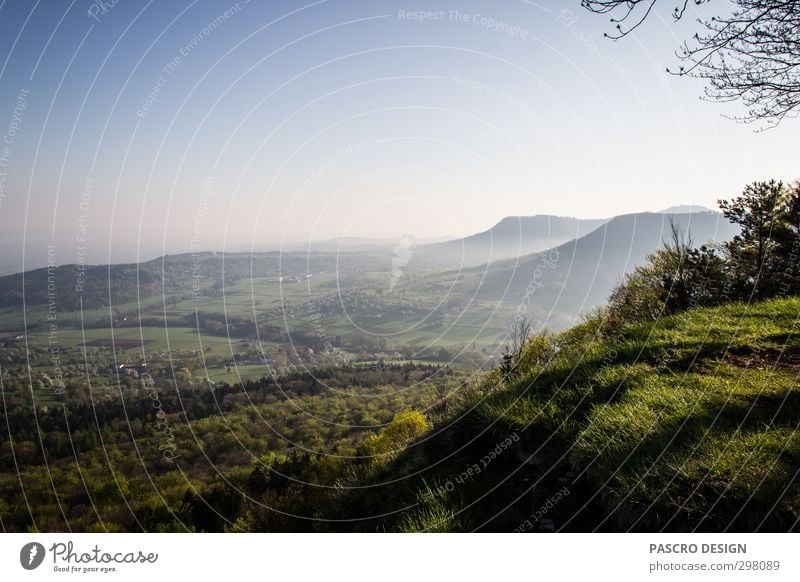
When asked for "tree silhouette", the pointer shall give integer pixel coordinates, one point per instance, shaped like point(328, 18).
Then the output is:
point(749, 53)
point(761, 252)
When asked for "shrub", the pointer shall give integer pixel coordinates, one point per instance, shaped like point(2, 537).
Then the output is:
point(537, 352)
point(674, 278)
point(405, 427)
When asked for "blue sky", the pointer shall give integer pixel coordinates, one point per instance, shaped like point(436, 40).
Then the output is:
point(144, 127)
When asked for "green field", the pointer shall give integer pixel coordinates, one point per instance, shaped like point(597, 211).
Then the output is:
point(156, 339)
point(421, 311)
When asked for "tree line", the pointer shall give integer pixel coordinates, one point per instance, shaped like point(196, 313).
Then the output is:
point(759, 263)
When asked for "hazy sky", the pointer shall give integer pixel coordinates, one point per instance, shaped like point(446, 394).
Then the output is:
point(177, 125)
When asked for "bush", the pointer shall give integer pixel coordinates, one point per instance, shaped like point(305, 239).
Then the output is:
point(537, 352)
point(405, 427)
point(674, 278)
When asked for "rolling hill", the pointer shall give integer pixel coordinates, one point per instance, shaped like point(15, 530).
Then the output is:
point(171, 275)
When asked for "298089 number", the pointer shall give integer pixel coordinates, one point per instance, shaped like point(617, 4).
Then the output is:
point(758, 565)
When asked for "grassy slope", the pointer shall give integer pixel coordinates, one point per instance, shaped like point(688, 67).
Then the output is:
point(689, 423)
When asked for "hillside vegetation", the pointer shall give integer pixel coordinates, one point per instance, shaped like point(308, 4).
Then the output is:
point(675, 407)
point(688, 423)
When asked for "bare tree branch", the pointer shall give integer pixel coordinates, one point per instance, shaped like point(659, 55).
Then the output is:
point(749, 54)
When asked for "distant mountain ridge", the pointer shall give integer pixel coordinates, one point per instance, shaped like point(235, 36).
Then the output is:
point(345, 244)
point(579, 275)
point(108, 285)
point(685, 209)
point(513, 236)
